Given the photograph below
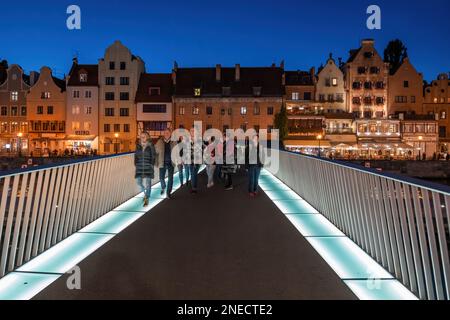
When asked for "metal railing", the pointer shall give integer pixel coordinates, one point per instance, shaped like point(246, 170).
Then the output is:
point(403, 223)
point(40, 207)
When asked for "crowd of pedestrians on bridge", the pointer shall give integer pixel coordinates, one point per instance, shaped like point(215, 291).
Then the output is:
point(222, 160)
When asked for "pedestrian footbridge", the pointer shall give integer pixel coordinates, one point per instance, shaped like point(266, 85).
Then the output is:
point(318, 230)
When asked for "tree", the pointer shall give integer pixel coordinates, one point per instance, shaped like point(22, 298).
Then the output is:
point(4, 64)
point(281, 123)
point(395, 53)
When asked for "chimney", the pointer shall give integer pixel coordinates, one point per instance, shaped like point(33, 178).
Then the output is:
point(75, 60)
point(174, 77)
point(218, 72)
point(237, 72)
point(312, 71)
point(282, 64)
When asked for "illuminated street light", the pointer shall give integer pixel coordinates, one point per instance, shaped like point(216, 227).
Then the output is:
point(319, 137)
point(116, 149)
point(19, 144)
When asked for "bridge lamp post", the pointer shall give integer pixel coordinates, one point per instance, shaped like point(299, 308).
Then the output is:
point(319, 137)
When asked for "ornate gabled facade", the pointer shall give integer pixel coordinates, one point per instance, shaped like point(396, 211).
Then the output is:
point(82, 108)
point(119, 72)
point(46, 114)
point(367, 76)
point(14, 85)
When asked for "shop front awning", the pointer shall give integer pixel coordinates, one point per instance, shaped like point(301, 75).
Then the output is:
point(307, 143)
point(80, 138)
point(381, 146)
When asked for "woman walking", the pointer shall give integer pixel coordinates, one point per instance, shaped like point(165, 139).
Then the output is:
point(210, 162)
point(144, 161)
point(254, 162)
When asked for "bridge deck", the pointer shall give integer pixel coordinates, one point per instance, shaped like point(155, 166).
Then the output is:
point(213, 245)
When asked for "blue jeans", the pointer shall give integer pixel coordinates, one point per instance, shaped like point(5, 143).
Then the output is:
point(145, 184)
point(168, 167)
point(193, 168)
point(253, 177)
point(183, 169)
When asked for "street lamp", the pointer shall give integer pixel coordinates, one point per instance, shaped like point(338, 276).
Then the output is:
point(420, 147)
point(19, 144)
point(116, 142)
point(319, 137)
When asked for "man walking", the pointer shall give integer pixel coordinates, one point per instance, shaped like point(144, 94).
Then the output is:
point(164, 148)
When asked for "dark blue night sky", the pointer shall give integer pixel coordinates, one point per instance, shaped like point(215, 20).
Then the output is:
point(204, 33)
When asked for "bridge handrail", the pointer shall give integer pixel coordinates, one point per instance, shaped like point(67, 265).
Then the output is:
point(394, 176)
point(39, 207)
point(13, 172)
point(403, 223)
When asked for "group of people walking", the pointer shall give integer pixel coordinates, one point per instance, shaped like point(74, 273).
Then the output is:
point(220, 158)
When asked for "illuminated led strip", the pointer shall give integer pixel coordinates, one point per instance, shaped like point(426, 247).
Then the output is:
point(37, 274)
point(362, 274)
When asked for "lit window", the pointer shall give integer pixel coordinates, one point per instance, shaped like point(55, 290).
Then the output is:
point(197, 92)
point(87, 126)
point(75, 125)
point(195, 110)
point(243, 110)
point(334, 82)
point(83, 77)
point(181, 111)
point(14, 96)
point(45, 95)
point(295, 96)
point(75, 110)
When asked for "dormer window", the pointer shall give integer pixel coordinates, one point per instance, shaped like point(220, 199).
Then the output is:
point(83, 77)
point(197, 92)
point(226, 91)
point(155, 91)
point(257, 91)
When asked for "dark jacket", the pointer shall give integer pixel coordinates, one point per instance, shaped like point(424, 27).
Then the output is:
point(144, 160)
point(160, 152)
point(260, 155)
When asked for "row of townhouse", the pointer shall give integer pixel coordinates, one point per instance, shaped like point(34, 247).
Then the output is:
point(357, 108)
point(347, 108)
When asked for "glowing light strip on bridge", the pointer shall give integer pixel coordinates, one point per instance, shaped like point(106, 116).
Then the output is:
point(362, 274)
point(37, 274)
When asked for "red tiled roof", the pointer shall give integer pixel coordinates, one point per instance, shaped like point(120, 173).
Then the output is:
point(92, 75)
point(163, 81)
point(299, 78)
point(269, 79)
